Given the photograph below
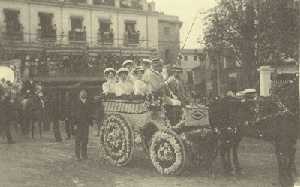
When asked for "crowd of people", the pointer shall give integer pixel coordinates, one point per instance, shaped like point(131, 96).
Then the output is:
point(133, 79)
point(146, 80)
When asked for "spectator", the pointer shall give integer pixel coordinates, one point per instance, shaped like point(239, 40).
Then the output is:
point(82, 121)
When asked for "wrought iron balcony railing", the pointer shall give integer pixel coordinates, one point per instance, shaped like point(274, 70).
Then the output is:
point(105, 38)
point(49, 35)
point(77, 36)
point(13, 35)
point(131, 38)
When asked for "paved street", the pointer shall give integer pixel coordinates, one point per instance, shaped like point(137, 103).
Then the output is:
point(44, 163)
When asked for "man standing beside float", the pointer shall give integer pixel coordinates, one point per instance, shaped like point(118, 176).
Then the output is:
point(175, 96)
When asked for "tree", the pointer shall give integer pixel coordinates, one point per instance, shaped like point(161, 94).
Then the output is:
point(257, 33)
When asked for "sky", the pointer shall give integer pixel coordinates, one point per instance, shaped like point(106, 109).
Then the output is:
point(187, 11)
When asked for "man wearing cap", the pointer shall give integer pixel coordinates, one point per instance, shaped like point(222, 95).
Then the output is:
point(153, 76)
point(124, 87)
point(140, 88)
point(110, 85)
point(175, 96)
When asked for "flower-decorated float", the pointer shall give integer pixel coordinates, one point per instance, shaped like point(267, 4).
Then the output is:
point(136, 122)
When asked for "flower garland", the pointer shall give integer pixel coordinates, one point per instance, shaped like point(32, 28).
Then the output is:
point(167, 153)
point(117, 140)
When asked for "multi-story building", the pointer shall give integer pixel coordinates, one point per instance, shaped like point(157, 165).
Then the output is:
point(72, 40)
point(195, 67)
point(169, 38)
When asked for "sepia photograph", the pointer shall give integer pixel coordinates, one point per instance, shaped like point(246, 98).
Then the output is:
point(149, 93)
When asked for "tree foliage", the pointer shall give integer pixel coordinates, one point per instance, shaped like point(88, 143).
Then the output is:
point(255, 32)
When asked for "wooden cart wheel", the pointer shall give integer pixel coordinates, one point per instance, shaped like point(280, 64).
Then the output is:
point(168, 153)
point(117, 140)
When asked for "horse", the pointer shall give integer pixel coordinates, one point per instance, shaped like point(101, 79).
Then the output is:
point(31, 110)
point(273, 119)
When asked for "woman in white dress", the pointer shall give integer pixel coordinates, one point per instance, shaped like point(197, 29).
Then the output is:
point(109, 86)
point(124, 87)
point(140, 88)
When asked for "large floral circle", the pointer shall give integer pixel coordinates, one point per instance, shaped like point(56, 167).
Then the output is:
point(167, 153)
point(117, 140)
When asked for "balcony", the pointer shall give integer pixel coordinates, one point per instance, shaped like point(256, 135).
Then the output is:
point(76, 1)
point(104, 2)
point(49, 35)
point(131, 38)
point(135, 4)
point(105, 38)
point(13, 35)
point(77, 36)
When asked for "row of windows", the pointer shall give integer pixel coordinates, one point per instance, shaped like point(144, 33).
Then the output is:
point(47, 28)
point(186, 58)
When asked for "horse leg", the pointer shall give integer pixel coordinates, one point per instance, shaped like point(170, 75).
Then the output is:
point(292, 164)
point(32, 129)
point(224, 152)
point(40, 127)
point(235, 159)
point(283, 160)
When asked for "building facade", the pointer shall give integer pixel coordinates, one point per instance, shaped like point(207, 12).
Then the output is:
point(73, 40)
point(169, 38)
point(195, 70)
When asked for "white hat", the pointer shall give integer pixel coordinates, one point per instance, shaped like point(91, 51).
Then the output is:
point(145, 60)
point(108, 70)
point(127, 62)
point(122, 70)
point(249, 91)
point(138, 69)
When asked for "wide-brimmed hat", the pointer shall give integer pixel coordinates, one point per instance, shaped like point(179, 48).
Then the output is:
point(126, 62)
point(139, 69)
point(109, 70)
point(122, 70)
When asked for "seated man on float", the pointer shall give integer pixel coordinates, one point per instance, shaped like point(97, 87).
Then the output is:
point(124, 87)
point(129, 64)
point(109, 87)
point(140, 88)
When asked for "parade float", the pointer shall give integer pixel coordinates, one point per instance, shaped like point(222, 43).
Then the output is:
point(132, 123)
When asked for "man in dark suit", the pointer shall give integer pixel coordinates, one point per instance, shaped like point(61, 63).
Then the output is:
point(82, 120)
point(6, 116)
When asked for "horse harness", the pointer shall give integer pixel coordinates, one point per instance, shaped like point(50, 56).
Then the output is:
point(283, 110)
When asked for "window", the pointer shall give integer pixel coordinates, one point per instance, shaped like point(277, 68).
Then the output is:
point(195, 58)
point(105, 32)
point(12, 20)
point(76, 23)
point(104, 25)
point(186, 58)
point(78, 31)
point(14, 29)
point(130, 26)
point(167, 30)
point(47, 29)
point(132, 35)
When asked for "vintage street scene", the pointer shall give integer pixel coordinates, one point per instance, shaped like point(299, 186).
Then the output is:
point(149, 93)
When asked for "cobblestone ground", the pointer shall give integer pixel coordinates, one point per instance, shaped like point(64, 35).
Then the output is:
point(44, 163)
